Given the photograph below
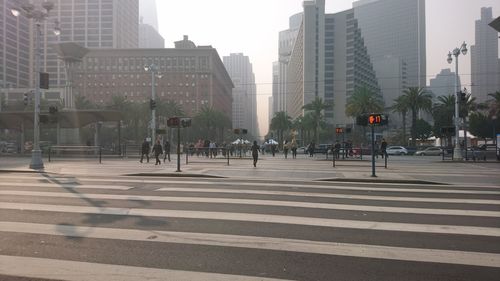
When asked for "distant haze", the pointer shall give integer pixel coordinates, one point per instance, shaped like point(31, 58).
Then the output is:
point(252, 27)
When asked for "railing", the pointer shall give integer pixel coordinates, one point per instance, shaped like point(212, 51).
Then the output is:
point(71, 150)
point(209, 154)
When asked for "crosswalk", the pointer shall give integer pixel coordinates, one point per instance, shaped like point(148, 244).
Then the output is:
point(57, 227)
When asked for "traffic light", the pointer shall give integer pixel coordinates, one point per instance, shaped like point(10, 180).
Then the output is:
point(185, 122)
point(44, 80)
point(53, 114)
point(348, 130)
point(339, 130)
point(53, 109)
point(152, 104)
point(378, 119)
point(244, 131)
point(25, 99)
point(173, 122)
point(236, 131)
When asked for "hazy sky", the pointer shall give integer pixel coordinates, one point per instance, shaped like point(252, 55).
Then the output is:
point(251, 27)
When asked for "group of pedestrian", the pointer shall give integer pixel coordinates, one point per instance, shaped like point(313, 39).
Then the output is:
point(157, 150)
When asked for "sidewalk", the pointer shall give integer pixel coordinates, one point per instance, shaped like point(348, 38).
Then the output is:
point(405, 169)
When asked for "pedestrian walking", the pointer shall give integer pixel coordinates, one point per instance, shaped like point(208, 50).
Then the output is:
point(255, 153)
point(285, 148)
point(145, 150)
point(383, 148)
point(312, 147)
point(166, 147)
point(294, 149)
point(157, 150)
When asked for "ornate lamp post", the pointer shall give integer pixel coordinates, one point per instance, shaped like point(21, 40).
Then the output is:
point(457, 154)
point(154, 72)
point(39, 15)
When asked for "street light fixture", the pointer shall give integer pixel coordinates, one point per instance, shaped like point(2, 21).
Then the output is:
point(154, 72)
point(39, 15)
point(457, 154)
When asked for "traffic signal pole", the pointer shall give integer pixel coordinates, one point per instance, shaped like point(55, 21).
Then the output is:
point(373, 151)
point(178, 149)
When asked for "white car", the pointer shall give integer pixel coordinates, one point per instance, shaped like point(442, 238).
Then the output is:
point(396, 150)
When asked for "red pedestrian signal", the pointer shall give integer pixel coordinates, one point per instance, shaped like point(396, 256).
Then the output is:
point(339, 130)
point(378, 119)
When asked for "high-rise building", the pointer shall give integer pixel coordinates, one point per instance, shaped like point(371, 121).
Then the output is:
point(193, 77)
point(394, 35)
point(149, 13)
point(14, 47)
point(92, 24)
point(484, 58)
point(328, 60)
point(444, 83)
point(286, 42)
point(244, 94)
point(149, 37)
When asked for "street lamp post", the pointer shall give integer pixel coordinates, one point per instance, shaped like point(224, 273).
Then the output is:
point(39, 15)
point(154, 72)
point(457, 154)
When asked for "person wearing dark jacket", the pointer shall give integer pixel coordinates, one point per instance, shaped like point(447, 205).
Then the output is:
point(145, 150)
point(255, 153)
point(166, 147)
point(157, 149)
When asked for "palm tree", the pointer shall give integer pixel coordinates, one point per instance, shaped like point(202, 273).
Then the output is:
point(418, 99)
point(316, 107)
point(401, 106)
point(206, 118)
point(494, 104)
point(364, 101)
point(281, 122)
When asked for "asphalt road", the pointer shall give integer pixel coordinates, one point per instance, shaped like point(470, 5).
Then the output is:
point(64, 227)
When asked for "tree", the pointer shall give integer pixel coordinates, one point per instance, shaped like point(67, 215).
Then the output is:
point(443, 112)
point(81, 102)
point(281, 122)
point(401, 106)
point(364, 101)
point(494, 105)
point(480, 125)
point(418, 99)
point(424, 129)
point(316, 107)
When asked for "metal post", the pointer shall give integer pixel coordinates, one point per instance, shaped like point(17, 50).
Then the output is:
point(187, 156)
point(50, 151)
point(153, 110)
point(343, 145)
point(373, 151)
point(120, 138)
point(457, 154)
point(227, 154)
point(386, 161)
point(36, 153)
point(178, 149)
point(100, 155)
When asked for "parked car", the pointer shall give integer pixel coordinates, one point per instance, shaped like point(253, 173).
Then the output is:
point(435, 151)
point(396, 150)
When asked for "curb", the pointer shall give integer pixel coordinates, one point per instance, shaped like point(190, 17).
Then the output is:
point(180, 175)
point(375, 180)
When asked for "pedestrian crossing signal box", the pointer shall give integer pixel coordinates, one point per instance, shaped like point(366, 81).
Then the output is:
point(377, 119)
point(339, 130)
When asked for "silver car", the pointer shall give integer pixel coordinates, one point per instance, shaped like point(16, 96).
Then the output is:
point(396, 150)
point(434, 151)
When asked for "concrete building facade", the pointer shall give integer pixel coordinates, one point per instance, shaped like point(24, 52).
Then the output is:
point(394, 34)
point(14, 47)
point(191, 77)
point(149, 37)
point(484, 58)
point(444, 83)
point(244, 112)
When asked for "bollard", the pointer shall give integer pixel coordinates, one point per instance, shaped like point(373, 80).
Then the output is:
point(386, 161)
point(187, 156)
point(227, 154)
point(333, 160)
point(100, 154)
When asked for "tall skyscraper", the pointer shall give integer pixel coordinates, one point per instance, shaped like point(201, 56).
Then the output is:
point(14, 47)
point(328, 60)
point(484, 58)
point(149, 36)
point(394, 34)
point(149, 13)
point(244, 93)
point(444, 83)
point(286, 42)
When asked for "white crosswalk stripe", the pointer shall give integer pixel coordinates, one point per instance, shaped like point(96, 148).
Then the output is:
point(197, 203)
